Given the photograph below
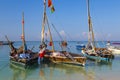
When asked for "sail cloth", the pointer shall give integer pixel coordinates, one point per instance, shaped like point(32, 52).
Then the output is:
point(51, 5)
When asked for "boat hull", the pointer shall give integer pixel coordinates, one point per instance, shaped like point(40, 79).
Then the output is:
point(114, 51)
point(105, 58)
point(23, 63)
point(97, 58)
point(79, 61)
point(79, 47)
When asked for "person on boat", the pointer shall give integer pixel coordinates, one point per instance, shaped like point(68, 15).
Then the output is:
point(108, 43)
point(41, 53)
point(63, 45)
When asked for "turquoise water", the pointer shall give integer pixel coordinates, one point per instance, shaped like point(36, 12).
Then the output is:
point(92, 70)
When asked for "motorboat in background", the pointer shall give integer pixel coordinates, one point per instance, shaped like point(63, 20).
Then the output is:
point(79, 46)
point(114, 47)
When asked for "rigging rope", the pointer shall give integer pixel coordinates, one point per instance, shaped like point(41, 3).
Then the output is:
point(57, 32)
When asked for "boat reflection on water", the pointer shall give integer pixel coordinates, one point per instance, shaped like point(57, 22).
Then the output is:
point(70, 72)
point(96, 70)
point(20, 73)
point(92, 71)
point(59, 71)
point(66, 72)
point(70, 69)
point(98, 65)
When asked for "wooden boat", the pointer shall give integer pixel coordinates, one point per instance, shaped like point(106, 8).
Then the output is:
point(5, 43)
point(22, 56)
point(72, 60)
point(91, 51)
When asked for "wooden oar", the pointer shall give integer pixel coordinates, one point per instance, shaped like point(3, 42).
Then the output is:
point(7, 39)
point(11, 46)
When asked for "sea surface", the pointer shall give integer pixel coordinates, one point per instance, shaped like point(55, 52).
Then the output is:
point(91, 71)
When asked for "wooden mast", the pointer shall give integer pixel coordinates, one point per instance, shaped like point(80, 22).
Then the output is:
point(23, 34)
point(91, 33)
point(43, 23)
point(43, 27)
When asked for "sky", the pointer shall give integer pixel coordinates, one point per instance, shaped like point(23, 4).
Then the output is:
point(70, 19)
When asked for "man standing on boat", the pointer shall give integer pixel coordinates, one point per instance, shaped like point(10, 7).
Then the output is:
point(41, 53)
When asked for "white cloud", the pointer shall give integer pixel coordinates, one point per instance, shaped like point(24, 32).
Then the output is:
point(62, 33)
point(84, 34)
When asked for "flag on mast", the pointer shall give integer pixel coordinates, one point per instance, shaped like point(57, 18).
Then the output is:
point(51, 5)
